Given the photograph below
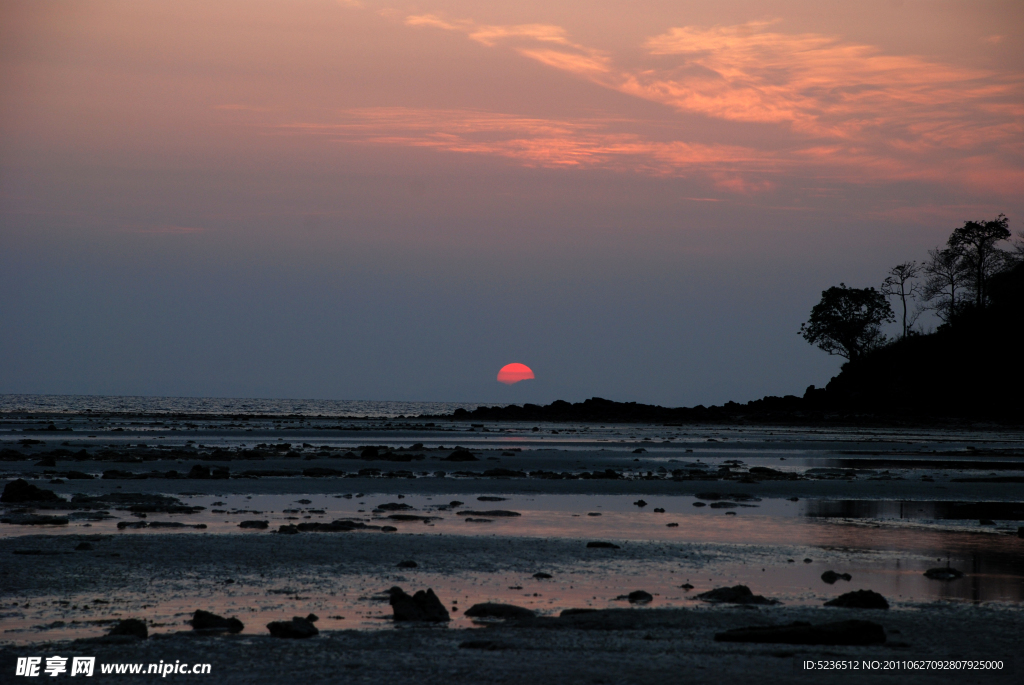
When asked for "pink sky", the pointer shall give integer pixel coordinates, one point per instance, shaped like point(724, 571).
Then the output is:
point(547, 137)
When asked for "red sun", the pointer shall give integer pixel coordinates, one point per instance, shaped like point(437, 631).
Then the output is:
point(513, 373)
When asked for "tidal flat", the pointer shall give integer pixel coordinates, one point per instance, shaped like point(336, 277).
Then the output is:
point(268, 517)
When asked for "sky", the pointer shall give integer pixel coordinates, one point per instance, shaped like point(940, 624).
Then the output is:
point(392, 200)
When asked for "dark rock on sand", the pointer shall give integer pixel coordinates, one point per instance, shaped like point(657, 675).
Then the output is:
point(408, 563)
point(596, 544)
point(859, 599)
point(212, 623)
point(494, 513)
point(540, 575)
point(21, 490)
point(258, 525)
point(461, 455)
point(699, 504)
point(298, 628)
point(412, 517)
point(640, 503)
point(486, 645)
point(491, 610)
point(338, 526)
point(34, 520)
point(802, 633)
point(388, 529)
point(132, 627)
point(394, 506)
point(288, 530)
point(724, 505)
point(121, 525)
point(737, 594)
point(946, 573)
point(490, 498)
point(470, 519)
point(831, 576)
point(639, 597)
point(423, 606)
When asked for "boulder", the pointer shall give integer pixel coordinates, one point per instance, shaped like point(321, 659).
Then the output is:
point(492, 513)
point(540, 575)
point(596, 544)
point(831, 577)
point(461, 455)
point(408, 563)
point(131, 627)
point(946, 573)
point(423, 606)
point(639, 597)
point(21, 490)
point(212, 623)
point(492, 610)
point(298, 628)
point(803, 633)
point(257, 525)
point(35, 520)
point(737, 594)
point(859, 599)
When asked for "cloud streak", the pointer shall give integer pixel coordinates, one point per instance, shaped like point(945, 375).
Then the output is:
point(865, 114)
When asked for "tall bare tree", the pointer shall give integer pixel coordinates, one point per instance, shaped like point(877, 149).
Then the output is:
point(900, 283)
point(947, 275)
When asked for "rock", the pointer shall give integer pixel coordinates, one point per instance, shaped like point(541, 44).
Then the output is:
point(121, 525)
point(47, 461)
point(601, 545)
point(802, 633)
point(724, 505)
point(639, 597)
point(492, 610)
point(659, 510)
point(258, 525)
point(859, 599)
point(640, 503)
point(487, 645)
point(493, 513)
point(540, 575)
point(83, 547)
point(461, 455)
point(423, 606)
point(212, 623)
point(35, 520)
point(671, 525)
point(489, 498)
point(699, 504)
point(473, 520)
point(337, 526)
point(298, 628)
point(394, 506)
point(388, 529)
point(831, 576)
point(455, 503)
point(808, 561)
point(411, 517)
point(946, 573)
point(21, 490)
point(593, 513)
point(737, 594)
point(288, 530)
point(686, 586)
point(312, 618)
point(132, 627)
point(409, 563)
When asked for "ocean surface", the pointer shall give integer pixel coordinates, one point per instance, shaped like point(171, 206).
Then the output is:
point(74, 404)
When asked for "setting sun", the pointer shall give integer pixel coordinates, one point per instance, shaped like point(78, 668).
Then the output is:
point(513, 373)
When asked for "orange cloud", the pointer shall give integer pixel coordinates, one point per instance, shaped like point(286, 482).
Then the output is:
point(864, 114)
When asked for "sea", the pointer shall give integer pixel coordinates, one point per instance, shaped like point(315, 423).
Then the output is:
point(75, 404)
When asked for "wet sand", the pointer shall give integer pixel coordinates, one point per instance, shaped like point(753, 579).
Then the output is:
point(883, 506)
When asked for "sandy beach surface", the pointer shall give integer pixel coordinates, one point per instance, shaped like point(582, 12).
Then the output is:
point(149, 528)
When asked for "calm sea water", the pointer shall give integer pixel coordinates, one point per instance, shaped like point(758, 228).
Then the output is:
point(70, 404)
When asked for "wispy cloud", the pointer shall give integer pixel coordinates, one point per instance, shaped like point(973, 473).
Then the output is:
point(866, 114)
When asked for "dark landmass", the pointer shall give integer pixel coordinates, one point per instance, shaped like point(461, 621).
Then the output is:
point(966, 371)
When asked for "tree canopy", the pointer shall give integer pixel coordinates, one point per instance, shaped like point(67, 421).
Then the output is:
point(847, 321)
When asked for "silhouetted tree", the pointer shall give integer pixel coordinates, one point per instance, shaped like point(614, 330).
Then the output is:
point(847, 320)
point(947, 276)
point(977, 242)
point(900, 283)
